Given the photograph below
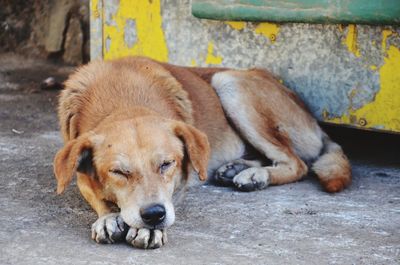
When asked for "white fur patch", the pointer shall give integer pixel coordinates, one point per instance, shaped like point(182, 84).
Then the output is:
point(230, 95)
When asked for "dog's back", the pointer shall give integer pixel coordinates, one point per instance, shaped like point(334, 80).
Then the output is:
point(202, 97)
point(99, 88)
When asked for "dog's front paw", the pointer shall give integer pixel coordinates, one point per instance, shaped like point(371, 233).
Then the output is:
point(252, 179)
point(109, 229)
point(146, 238)
point(225, 174)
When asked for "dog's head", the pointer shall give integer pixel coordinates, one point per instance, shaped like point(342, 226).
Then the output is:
point(137, 164)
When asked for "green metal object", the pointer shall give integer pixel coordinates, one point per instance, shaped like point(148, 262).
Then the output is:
point(307, 11)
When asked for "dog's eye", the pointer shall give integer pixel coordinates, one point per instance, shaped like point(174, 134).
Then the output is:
point(165, 165)
point(119, 172)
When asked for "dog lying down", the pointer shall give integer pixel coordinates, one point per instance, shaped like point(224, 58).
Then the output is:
point(136, 129)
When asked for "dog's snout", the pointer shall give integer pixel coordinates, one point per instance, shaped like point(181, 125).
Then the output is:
point(153, 214)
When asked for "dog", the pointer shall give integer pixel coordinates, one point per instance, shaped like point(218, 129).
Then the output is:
point(136, 130)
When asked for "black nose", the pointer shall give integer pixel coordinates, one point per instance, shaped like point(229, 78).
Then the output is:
point(153, 214)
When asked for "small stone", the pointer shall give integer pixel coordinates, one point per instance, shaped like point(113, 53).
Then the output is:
point(50, 83)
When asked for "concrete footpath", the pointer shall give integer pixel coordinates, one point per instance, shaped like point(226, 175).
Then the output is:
point(291, 224)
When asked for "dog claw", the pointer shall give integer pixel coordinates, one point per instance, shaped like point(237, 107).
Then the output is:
point(142, 238)
point(131, 235)
point(109, 229)
point(156, 241)
point(145, 238)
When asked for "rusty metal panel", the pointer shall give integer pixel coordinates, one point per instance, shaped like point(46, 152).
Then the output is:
point(347, 74)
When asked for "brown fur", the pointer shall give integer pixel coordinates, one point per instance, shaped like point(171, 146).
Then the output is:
point(126, 118)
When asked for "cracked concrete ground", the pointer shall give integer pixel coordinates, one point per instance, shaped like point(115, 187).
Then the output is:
point(291, 224)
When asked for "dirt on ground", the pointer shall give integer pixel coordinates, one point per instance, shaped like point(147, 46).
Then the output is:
point(290, 224)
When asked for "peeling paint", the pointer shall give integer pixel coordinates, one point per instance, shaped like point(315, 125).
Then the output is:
point(211, 57)
point(110, 10)
point(149, 34)
point(384, 111)
point(269, 30)
point(238, 25)
point(96, 29)
point(95, 9)
point(385, 34)
point(107, 44)
point(351, 40)
point(130, 30)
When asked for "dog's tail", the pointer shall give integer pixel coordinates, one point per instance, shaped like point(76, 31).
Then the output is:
point(332, 167)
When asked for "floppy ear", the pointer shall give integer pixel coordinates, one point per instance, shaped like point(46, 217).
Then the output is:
point(196, 146)
point(76, 155)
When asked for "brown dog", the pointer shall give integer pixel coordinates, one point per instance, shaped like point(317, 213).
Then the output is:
point(135, 129)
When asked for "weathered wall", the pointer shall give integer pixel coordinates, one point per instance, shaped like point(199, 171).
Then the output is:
point(347, 74)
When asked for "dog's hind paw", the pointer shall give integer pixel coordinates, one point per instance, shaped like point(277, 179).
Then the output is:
point(225, 174)
point(146, 238)
point(109, 229)
point(252, 179)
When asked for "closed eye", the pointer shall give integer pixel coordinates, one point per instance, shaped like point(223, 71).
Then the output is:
point(120, 172)
point(166, 165)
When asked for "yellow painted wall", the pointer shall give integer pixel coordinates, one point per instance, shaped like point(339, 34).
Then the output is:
point(150, 36)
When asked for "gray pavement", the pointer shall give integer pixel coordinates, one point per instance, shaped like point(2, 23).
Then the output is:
point(291, 224)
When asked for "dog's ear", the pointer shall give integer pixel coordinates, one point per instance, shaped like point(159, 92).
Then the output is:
point(196, 146)
point(75, 156)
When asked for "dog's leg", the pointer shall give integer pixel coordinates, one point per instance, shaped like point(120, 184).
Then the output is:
point(109, 227)
point(250, 112)
point(286, 168)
